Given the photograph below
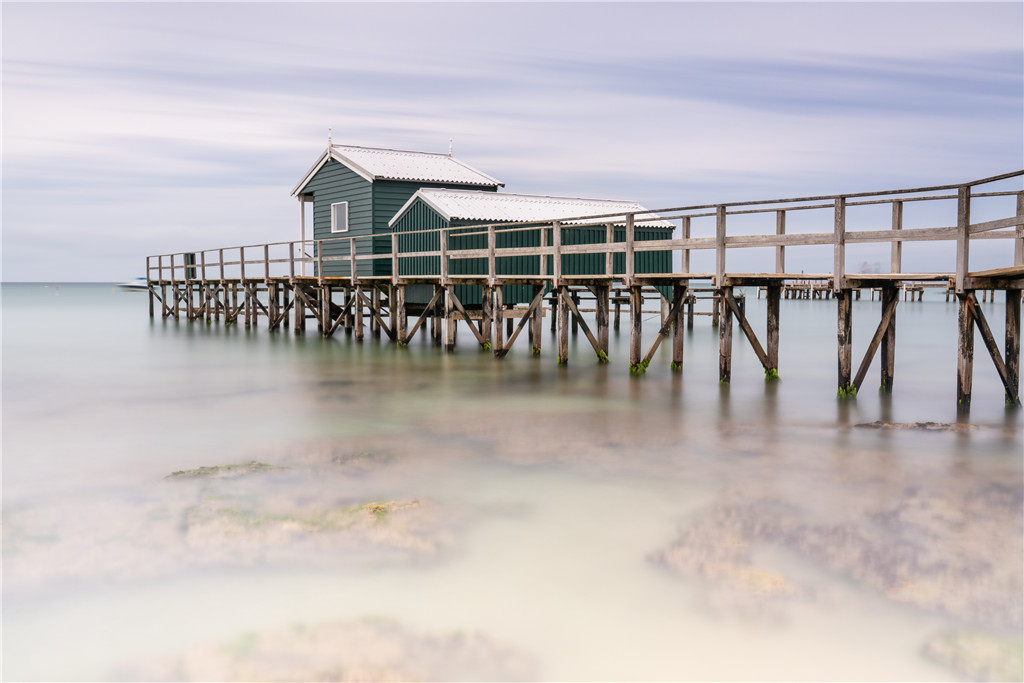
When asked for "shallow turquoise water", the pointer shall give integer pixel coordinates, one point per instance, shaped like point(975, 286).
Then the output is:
point(561, 488)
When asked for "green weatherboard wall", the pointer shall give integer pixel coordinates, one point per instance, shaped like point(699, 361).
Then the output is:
point(370, 207)
point(421, 216)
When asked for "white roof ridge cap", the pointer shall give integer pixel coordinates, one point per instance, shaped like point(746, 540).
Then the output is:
point(390, 149)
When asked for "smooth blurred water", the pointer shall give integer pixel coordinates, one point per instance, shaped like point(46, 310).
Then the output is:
point(557, 492)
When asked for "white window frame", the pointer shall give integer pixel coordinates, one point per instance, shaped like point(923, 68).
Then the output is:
point(335, 209)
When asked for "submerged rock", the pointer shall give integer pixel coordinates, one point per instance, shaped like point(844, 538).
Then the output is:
point(367, 650)
point(979, 656)
point(223, 471)
point(933, 549)
point(919, 426)
point(228, 526)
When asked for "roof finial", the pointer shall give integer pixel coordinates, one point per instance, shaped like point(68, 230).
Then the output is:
point(450, 146)
point(329, 142)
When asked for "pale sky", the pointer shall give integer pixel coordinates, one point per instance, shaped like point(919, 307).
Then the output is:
point(132, 129)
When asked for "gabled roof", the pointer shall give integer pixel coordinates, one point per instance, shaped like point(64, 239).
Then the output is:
point(393, 164)
point(500, 207)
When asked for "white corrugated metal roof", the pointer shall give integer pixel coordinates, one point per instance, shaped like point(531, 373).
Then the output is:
point(394, 164)
point(499, 207)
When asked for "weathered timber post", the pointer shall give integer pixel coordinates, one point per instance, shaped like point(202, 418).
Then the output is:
point(844, 307)
point(691, 300)
point(965, 351)
point(284, 304)
point(575, 323)
point(347, 314)
point(780, 251)
point(686, 250)
point(665, 305)
point(375, 306)
point(630, 244)
point(963, 238)
point(399, 315)
point(553, 303)
point(773, 295)
point(896, 255)
point(678, 335)
point(325, 309)
point(716, 308)
point(618, 311)
point(486, 317)
point(449, 320)
point(272, 305)
point(720, 214)
point(498, 314)
point(601, 293)
point(300, 308)
point(563, 329)
point(204, 302)
point(357, 306)
point(636, 325)
point(1012, 340)
point(536, 328)
point(609, 256)
point(839, 247)
point(1018, 244)
point(890, 294)
point(724, 342)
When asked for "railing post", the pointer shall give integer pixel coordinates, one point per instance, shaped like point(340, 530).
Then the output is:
point(241, 263)
point(896, 261)
point(221, 255)
point(963, 236)
point(1018, 244)
point(609, 256)
point(543, 269)
point(266, 264)
point(630, 261)
point(202, 261)
point(319, 262)
point(556, 258)
point(686, 250)
point(353, 265)
point(291, 263)
point(443, 245)
point(720, 246)
point(394, 258)
point(490, 255)
point(839, 246)
point(780, 251)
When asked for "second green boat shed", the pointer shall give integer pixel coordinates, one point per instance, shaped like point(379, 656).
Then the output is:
point(440, 208)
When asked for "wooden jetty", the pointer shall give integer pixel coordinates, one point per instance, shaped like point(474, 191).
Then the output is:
point(268, 281)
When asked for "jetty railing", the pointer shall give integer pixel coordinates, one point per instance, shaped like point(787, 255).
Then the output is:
point(491, 256)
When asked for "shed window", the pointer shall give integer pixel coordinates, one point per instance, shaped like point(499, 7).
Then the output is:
point(339, 217)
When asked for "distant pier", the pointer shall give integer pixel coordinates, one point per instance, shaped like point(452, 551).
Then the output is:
point(269, 282)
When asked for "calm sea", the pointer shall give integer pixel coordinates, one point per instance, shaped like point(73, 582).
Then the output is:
point(421, 515)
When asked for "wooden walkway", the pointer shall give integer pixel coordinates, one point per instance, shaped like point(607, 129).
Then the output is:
point(271, 281)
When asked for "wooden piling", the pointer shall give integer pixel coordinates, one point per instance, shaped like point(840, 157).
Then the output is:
point(965, 351)
point(536, 327)
point(724, 342)
point(1013, 314)
point(844, 307)
point(890, 295)
point(678, 335)
point(563, 330)
point(773, 294)
point(358, 310)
